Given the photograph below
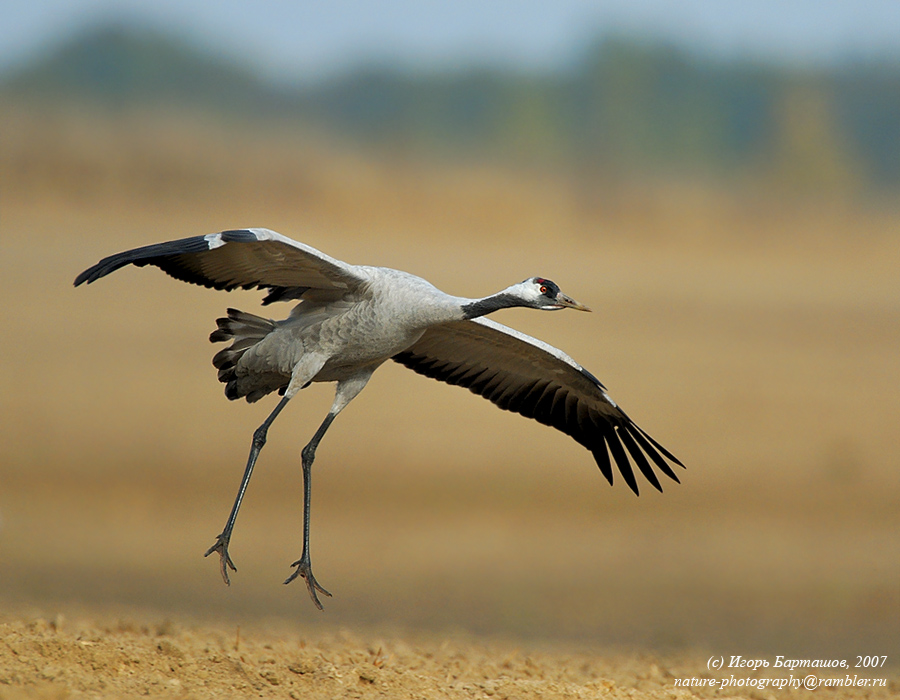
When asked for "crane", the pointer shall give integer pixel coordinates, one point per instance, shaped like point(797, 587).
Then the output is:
point(350, 319)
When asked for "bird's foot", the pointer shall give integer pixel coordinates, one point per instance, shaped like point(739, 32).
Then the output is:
point(304, 569)
point(221, 546)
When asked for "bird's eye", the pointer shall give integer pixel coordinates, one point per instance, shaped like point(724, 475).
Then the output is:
point(543, 289)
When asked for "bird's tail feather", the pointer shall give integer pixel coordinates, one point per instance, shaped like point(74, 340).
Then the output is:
point(244, 331)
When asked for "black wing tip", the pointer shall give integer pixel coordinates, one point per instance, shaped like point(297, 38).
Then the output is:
point(84, 277)
point(621, 459)
point(627, 446)
point(638, 431)
point(103, 268)
point(153, 254)
point(639, 459)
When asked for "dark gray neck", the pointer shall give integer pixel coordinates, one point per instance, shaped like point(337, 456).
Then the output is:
point(488, 305)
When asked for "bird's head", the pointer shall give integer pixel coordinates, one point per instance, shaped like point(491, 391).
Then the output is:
point(541, 293)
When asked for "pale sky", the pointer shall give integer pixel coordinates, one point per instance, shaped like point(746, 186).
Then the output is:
point(296, 39)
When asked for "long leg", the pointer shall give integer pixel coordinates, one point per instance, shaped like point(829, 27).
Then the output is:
point(259, 439)
point(344, 394)
point(304, 567)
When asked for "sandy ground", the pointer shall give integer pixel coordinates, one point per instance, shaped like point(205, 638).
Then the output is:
point(471, 553)
point(141, 656)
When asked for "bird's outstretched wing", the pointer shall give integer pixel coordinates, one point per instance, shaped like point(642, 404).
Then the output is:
point(246, 258)
point(525, 375)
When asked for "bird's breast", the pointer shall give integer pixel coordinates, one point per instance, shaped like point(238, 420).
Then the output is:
point(364, 332)
point(362, 336)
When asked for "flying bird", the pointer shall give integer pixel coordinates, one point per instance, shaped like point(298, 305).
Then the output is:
point(350, 319)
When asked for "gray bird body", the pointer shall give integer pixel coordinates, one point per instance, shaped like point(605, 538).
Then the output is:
point(372, 325)
point(350, 319)
point(351, 334)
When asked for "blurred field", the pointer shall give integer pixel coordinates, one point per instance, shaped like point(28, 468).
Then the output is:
point(754, 336)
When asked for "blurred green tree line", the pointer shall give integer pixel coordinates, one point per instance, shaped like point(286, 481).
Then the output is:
point(624, 106)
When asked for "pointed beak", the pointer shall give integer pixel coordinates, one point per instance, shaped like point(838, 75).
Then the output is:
point(567, 302)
